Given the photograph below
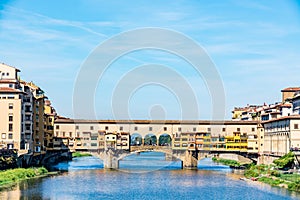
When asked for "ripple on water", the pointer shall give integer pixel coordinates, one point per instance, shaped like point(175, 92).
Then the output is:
point(83, 181)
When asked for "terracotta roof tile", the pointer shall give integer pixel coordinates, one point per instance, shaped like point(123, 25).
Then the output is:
point(10, 90)
point(291, 89)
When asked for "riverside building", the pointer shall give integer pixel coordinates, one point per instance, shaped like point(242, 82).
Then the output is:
point(22, 119)
point(180, 135)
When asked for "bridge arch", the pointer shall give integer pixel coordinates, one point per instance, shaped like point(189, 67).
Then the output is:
point(124, 155)
point(165, 140)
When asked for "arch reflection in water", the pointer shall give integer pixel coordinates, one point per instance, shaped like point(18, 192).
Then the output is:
point(146, 162)
point(82, 163)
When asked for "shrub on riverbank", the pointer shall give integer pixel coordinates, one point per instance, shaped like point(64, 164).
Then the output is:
point(14, 175)
point(78, 154)
point(231, 163)
point(285, 161)
point(257, 170)
point(268, 174)
point(271, 181)
point(295, 186)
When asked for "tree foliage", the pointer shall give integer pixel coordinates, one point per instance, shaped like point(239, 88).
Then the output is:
point(285, 161)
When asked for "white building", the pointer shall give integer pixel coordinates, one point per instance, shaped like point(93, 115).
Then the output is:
point(281, 135)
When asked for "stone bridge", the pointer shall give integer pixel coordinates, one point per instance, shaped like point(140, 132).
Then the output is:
point(111, 157)
point(189, 158)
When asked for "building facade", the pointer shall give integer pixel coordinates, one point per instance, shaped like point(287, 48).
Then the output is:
point(180, 135)
point(22, 113)
point(11, 108)
point(281, 135)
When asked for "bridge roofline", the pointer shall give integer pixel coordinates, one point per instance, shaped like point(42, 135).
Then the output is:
point(166, 122)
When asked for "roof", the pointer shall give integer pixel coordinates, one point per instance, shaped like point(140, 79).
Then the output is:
point(11, 67)
point(282, 118)
point(194, 122)
point(8, 81)
point(9, 90)
point(291, 89)
point(286, 105)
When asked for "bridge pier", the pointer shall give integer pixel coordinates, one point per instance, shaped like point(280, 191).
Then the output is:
point(110, 160)
point(189, 161)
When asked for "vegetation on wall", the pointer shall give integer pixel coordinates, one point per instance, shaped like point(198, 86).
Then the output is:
point(78, 154)
point(286, 161)
point(231, 163)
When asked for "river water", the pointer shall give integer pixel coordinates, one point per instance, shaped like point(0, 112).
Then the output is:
point(143, 176)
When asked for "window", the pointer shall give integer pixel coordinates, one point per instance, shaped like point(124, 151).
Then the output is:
point(78, 134)
point(150, 128)
point(10, 118)
point(70, 134)
point(113, 138)
point(238, 129)
point(10, 85)
point(223, 129)
point(93, 144)
point(253, 129)
point(91, 128)
point(10, 127)
point(50, 120)
point(106, 128)
point(57, 126)
point(135, 128)
point(121, 128)
point(296, 126)
point(194, 129)
point(179, 128)
point(10, 106)
point(64, 134)
point(77, 127)
point(208, 129)
point(94, 138)
point(165, 128)
point(7, 74)
point(3, 136)
point(10, 136)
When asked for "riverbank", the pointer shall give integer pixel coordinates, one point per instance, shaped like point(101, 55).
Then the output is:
point(269, 174)
point(230, 163)
point(78, 154)
point(10, 177)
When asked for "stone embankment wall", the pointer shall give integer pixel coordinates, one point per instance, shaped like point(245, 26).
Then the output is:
point(236, 157)
point(267, 160)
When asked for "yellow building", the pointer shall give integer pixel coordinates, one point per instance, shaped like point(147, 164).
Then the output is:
point(237, 142)
point(38, 118)
point(49, 118)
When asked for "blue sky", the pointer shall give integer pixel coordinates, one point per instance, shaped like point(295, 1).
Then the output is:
point(253, 44)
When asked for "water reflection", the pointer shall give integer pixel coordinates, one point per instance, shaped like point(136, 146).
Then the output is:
point(83, 163)
point(147, 162)
point(86, 179)
point(207, 164)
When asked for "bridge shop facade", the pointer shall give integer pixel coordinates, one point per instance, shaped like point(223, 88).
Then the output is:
point(186, 140)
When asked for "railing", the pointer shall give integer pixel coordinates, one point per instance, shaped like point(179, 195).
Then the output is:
point(149, 147)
